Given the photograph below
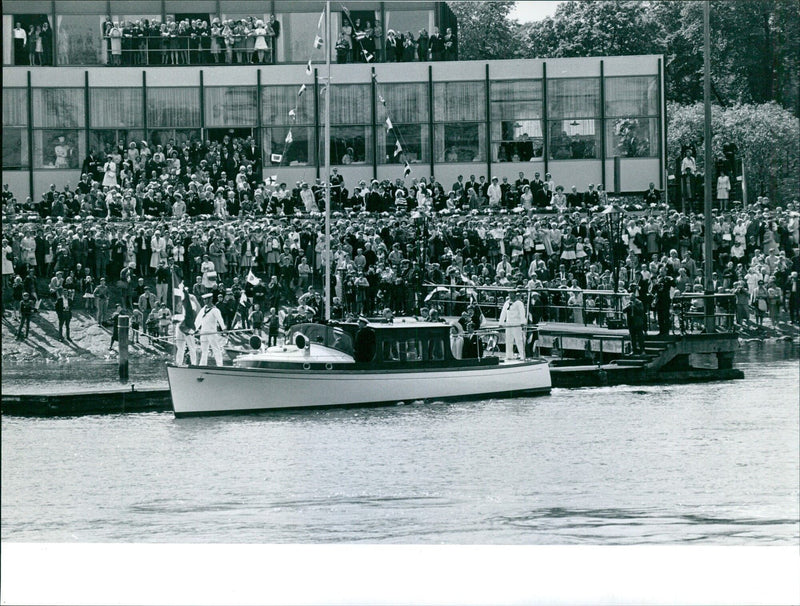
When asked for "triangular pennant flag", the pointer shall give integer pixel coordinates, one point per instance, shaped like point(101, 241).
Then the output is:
point(407, 170)
point(289, 137)
point(276, 158)
point(292, 114)
point(368, 57)
point(360, 35)
point(389, 124)
point(382, 100)
point(317, 42)
point(323, 89)
point(308, 68)
point(252, 279)
point(397, 149)
point(302, 90)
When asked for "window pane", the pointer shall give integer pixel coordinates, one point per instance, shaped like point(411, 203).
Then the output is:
point(57, 148)
point(519, 140)
point(632, 96)
point(408, 21)
point(231, 106)
point(178, 136)
point(15, 107)
point(632, 137)
point(350, 104)
point(58, 107)
point(15, 148)
point(278, 100)
point(574, 139)
point(454, 101)
point(80, 40)
point(516, 109)
point(107, 140)
point(404, 102)
point(349, 144)
point(173, 107)
point(460, 142)
point(116, 107)
point(298, 31)
point(299, 153)
point(413, 141)
point(573, 97)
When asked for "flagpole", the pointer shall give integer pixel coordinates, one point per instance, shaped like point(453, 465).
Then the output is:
point(328, 260)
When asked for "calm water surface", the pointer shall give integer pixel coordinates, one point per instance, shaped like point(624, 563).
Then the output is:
point(709, 463)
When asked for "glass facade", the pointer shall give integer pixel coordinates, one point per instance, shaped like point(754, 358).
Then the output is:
point(516, 113)
point(442, 122)
point(231, 106)
point(632, 124)
point(351, 128)
point(282, 108)
point(406, 105)
point(459, 113)
point(576, 134)
point(15, 132)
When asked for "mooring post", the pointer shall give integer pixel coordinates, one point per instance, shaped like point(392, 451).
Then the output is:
point(122, 337)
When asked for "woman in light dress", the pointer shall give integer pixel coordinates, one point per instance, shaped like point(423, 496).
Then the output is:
point(261, 45)
point(110, 173)
point(158, 249)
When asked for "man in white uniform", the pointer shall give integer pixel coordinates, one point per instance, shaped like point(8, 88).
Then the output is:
point(209, 322)
point(512, 317)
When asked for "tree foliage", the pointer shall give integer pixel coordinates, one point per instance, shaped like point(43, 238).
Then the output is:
point(486, 30)
point(755, 43)
point(765, 135)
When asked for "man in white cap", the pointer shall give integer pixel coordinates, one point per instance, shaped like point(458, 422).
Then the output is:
point(512, 317)
point(208, 323)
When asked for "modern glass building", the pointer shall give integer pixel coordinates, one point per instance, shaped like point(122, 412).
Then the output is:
point(584, 120)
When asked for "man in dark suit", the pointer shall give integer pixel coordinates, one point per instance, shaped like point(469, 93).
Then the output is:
point(574, 199)
point(652, 195)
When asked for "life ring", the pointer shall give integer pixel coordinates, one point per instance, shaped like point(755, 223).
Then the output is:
point(300, 341)
point(328, 366)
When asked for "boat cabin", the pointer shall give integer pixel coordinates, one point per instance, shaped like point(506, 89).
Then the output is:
point(379, 344)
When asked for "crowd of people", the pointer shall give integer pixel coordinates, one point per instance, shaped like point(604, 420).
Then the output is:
point(249, 40)
point(139, 224)
point(243, 41)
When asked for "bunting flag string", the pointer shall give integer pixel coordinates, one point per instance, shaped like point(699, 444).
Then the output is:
point(398, 149)
point(388, 124)
point(319, 42)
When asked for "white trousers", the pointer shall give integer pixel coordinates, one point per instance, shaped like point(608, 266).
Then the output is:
point(182, 342)
point(215, 342)
point(515, 336)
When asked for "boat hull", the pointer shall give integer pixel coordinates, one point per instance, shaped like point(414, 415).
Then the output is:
point(224, 390)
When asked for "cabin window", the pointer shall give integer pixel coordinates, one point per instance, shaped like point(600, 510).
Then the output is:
point(391, 351)
point(436, 349)
point(413, 350)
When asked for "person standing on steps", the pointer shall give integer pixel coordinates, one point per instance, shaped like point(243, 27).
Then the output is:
point(26, 308)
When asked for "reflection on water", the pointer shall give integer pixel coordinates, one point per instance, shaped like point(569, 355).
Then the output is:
point(700, 463)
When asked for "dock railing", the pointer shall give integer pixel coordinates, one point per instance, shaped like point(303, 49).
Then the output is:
point(602, 308)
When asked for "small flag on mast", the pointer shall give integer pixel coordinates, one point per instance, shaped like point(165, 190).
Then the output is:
point(397, 149)
point(289, 137)
point(317, 42)
point(407, 170)
point(367, 56)
point(389, 124)
point(382, 100)
point(302, 90)
point(292, 114)
point(308, 68)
